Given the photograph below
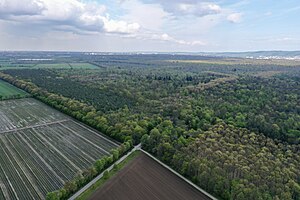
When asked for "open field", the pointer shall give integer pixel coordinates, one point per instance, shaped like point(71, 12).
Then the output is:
point(67, 66)
point(47, 66)
point(144, 178)
point(8, 91)
point(116, 168)
point(41, 149)
point(239, 61)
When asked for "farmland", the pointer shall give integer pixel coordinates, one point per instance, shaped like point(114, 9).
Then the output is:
point(66, 66)
point(144, 178)
point(50, 65)
point(41, 149)
point(8, 91)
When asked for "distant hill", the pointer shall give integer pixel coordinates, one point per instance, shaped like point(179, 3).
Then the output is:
point(259, 54)
point(53, 55)
point(292, 55)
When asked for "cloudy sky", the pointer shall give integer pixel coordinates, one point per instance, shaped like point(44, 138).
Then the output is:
point(150, 25)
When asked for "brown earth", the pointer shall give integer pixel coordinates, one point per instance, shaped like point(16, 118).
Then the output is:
point(145, 179)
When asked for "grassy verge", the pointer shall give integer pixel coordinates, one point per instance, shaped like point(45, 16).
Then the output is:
point(8, 91)
point(106, 177)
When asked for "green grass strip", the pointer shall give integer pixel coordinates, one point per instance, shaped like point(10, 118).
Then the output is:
point(8, 91)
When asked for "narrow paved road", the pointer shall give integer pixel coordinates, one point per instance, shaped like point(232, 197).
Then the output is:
point(77, 194)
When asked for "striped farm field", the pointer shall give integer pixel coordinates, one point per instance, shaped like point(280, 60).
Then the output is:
point(41, 149)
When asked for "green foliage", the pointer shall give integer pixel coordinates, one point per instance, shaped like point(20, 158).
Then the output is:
point(53, 196)
point(232, 163)
point(269, 106)
point(105, 175)
point(101, 98)
point(99, 165)
point(232, 127)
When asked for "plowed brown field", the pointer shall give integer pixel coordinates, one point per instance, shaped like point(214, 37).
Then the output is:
point(145, 179)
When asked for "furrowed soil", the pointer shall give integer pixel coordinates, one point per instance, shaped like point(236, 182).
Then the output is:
point(145, 179)
point(41, 149)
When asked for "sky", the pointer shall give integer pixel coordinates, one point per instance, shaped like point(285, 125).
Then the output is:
point(150, 25)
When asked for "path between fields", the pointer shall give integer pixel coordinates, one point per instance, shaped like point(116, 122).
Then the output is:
point(138, 147)
point(34, 126)
point(77, 194)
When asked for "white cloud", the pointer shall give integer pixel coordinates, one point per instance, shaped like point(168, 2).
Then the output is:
point(268, 13)
point(155, 22)
point(115, 26)
point(198, 9)
point(175, 22)
point(189, 7)
point(150, 16)
point(24, 7)
point(167, 38)
point(85, 18)
point(235, 17)
point(65, 14)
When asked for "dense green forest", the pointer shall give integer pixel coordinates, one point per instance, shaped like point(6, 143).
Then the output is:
point(266, 105)
point(230, 162)
point(231, 126)
point(101, 98)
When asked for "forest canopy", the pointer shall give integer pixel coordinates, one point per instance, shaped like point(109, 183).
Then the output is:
point(233, 128)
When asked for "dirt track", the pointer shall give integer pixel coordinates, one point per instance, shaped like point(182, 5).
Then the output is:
point(145, 179)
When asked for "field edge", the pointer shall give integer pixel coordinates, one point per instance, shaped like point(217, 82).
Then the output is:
point(114, 172)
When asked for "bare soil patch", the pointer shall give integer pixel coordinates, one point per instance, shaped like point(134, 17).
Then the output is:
point(145, 179)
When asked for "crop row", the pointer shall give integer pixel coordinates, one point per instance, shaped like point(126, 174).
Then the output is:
point(35, 161)
point(26, 112)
